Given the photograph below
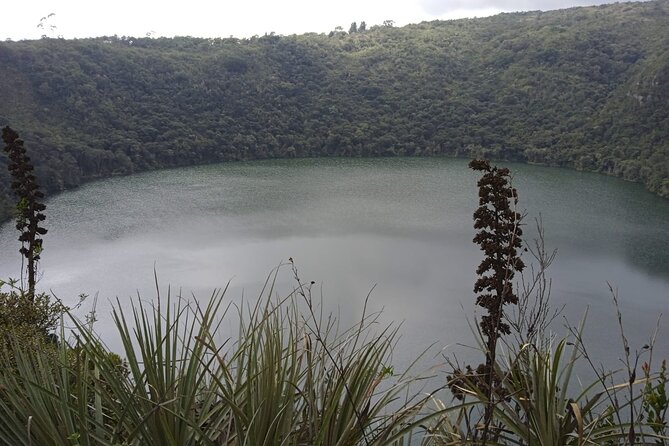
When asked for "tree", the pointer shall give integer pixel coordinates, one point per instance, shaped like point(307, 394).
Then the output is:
point(353, 28)
point(363, 27)
point(29, 208)
point(498, 236)
point(338, 31)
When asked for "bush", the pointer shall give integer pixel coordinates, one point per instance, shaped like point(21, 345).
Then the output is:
point(28, 319)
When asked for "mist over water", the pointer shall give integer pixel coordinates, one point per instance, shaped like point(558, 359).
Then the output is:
point(400, 228)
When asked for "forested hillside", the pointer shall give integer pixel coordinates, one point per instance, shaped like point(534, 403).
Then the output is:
point(586, 88)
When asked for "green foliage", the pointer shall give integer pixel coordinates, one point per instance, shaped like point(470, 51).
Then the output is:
point(582, 88)
point(17, 310)
point(289, 377)
point(656, 400)
point(529, 396)
point(27, 320)
point(538, 410)
point(292, 377)
point(539, 401)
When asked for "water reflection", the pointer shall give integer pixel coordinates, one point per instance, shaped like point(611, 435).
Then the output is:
point(402, 226)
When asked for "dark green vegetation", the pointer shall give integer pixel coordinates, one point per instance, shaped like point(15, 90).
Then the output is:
point(585, 88)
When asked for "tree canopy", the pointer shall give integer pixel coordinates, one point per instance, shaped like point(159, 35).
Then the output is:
point(586, 88)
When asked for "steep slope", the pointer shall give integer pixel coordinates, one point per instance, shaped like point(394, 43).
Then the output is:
point(585, 88)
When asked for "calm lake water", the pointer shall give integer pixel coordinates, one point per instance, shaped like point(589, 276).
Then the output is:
point(400, 226)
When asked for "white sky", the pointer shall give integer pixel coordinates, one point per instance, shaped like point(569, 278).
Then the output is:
point(241, 18)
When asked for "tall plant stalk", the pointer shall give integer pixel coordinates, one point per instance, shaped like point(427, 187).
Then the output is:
point(498, 235)
point(29, 207)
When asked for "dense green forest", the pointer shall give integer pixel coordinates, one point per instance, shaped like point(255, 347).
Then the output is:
point(586, 88)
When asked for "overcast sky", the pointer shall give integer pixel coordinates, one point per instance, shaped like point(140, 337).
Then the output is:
point(240, 18)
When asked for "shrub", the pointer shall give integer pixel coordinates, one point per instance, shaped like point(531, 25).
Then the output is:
point(31, 320)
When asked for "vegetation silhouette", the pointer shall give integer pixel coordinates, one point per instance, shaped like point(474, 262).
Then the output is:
point(29, 208)
point(499, 236)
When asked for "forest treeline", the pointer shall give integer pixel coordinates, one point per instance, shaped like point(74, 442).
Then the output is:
point(586, 88)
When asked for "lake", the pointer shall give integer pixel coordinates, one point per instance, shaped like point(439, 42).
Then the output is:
point(399, 226)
